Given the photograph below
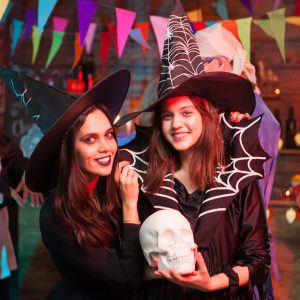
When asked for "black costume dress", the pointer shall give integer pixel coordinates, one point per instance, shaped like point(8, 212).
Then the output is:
point(228, 220)
point(99, 273)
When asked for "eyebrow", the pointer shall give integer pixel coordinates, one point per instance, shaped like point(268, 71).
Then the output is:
point(181, 108)
point(96, 133)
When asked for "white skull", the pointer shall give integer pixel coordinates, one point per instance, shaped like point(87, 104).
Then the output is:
point(167, 235)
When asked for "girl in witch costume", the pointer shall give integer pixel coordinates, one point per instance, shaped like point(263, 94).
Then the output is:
point(207, 170)
point(89, 221)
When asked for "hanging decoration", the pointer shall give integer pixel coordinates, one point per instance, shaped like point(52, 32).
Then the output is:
point(106, 38)
point(6, 12)
point(77, 50)
point(16, 33)
point(137, 36)
point(36, 39)
point(89, 38)
point(86, 10)
point(248, 6)
point(195, 15)
point(3, 7)
point(244, 30)
point(30, 20)
point(144, 28)
point(221, 9)
point(45, 8)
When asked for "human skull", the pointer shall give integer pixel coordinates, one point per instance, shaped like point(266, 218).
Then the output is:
point(167, 235)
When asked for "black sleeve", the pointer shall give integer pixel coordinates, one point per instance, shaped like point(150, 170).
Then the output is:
point(119, 269)
point(255, 245)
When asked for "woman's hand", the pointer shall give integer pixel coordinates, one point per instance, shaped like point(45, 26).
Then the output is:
point(236, 116)
point(199, 280)
point(127, 181)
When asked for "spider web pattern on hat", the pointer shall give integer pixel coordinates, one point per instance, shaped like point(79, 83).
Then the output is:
point(181, 59)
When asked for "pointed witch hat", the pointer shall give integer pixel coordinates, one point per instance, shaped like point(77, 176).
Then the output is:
point(183, 74)
point(55, 111)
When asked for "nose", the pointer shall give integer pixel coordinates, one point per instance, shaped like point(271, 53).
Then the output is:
point(103, 147)
point(176, 122)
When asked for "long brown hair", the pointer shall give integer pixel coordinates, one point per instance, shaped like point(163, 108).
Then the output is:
point(208, 152)
point(94, 221)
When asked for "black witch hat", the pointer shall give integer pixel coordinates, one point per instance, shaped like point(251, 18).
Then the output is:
point(183, 74)
point(54, 111)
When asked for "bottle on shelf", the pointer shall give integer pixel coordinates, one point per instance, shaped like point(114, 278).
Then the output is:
point(290, 130)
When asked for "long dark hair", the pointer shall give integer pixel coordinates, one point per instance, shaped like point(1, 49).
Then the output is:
point(94, 221)
point(208, 152)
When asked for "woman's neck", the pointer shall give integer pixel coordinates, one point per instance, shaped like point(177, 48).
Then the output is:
point(92, 184)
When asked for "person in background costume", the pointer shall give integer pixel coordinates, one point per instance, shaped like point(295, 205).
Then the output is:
point(226, 54)
point(89, 222)
point(206, 173)
point(12, 166)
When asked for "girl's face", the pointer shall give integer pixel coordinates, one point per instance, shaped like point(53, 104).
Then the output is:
point(95, 145)
point(181, 123)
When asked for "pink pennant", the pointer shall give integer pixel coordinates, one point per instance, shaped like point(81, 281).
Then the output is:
point(60, 24)
point(159, 25)
point(276, 4)
point(90, 37)
point(125, 19)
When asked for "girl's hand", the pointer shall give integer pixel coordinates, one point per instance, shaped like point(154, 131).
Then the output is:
point(127, 181)
point(199, 280)
point(236, 116)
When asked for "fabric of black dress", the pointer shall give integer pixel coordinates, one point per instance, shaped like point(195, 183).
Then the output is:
point(99, 273)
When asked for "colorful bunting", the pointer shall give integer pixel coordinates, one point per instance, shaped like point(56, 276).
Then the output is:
point(137, 36)
point(77, 50)
point(3, 7)
point(277, 19)
point(59, 27)
point(231, 25)
point(17, 27)
point(89, 38)
point(248, 6)
point(36, 39)
point(45, 8)
point(105, 38)
point(144, 27)
point(266, 26)
point(6, 12)
point(30, 20)
point(159, 25)
point(276, 4)
point(125, 19)
point(221, 8)
point(195, 15)
point(86, 10)
point(244, 30)
point(210, 23)
point(293, 20)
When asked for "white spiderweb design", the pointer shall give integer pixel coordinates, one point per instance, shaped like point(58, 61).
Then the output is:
point(181, 59)
point(231, 177)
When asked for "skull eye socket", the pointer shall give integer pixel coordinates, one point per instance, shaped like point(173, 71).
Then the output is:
point(186, 236)
point(167, 238)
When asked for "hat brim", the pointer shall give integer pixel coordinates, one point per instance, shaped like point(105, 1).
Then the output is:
point(226, 91)
point(110, 92)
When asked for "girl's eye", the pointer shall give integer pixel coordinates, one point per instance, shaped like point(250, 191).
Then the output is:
point(89, 140)
point(166, 117)
point(110, 134)
point(187, 113)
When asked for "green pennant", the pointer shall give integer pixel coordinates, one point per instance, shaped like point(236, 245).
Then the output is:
point(36, 39)
point(266, 26)
point(57, 39)
point(244, 30)
point(277, 19)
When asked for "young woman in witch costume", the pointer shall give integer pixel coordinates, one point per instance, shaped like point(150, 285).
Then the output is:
point(89, 221)
point(192, 170)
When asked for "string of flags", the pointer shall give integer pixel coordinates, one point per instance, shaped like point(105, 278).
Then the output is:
point(125, 26)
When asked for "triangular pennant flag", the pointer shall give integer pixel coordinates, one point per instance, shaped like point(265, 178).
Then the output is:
point(137, 36)
point(106, 39)
point(85, 10)
point(210, 23)
point(3, 7)
point(125, 19)
point(221, 8)
point(30, 20)
point(77, 50)
point(276, 4)
point(57, 39)
point(231, 26)
point(293, 20)
point(60, 24)
point(89, 38)
point(112, 32)
point(6, 12)
point(159, 25)
point(195, 15)
point(277, 19)
point(16, 33)
point(244, 30)
point(36, 39)
point(266, 26)
point(144, 27)
point(199, 25)
point(45, 9)
point(59, 27)
point(297, 8)
point(248, 6)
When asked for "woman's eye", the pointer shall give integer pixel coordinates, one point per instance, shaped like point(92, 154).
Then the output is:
point(187, 113)
point(166, 117)
point(110, 134)
point(89, 140)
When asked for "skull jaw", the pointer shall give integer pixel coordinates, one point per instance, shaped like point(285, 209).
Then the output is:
point(182, 265)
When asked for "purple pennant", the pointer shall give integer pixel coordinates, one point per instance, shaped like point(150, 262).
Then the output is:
point(85, 11)
point(248, 5)
point(30, 20)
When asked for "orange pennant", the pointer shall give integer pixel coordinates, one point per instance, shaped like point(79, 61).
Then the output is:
point(77, 50)
point(232, 27)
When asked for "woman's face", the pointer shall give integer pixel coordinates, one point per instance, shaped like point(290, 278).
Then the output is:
point(181, 123)
point(95, 145)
